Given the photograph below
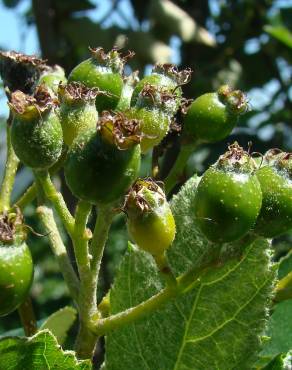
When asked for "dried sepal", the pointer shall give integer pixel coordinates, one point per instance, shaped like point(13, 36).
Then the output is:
point(19, 71)
point(117, 129)
point(140, 194)
point(76, 92)
point(113, 59)
point(11, 224)
point(180, 77)
point(40, 102)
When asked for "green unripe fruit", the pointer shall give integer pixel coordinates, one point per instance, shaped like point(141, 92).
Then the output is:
point(155, 108)
point(275, 178)
point(150, 220)
point(154, 126)
point(164, 76)
point(36, 132)
point(102, 71)
point(16, 265)
point(228, 198)
point(212, 116)
point(102, 164)
point(77, 110)
point(51, 77)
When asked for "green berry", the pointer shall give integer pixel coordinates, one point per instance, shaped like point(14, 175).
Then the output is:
point(212, 116)
point(103, 71)
point(51, 77)
point(77, 110)
point(275, 177)
point(164, 76)
point(16, 266)
point(149, 217)
point(155, 108)
point(36, 132)
point(228, 197)
point(103, 163)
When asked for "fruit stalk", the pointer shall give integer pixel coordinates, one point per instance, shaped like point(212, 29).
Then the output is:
point(47, 218)
point(9, 174)
point(184, 283)
point(103, 223)
point(27, 317)
point(85, 341)
point(175, 173)
point(57, 200)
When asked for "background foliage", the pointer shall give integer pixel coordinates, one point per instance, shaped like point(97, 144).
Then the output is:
point(245, 43)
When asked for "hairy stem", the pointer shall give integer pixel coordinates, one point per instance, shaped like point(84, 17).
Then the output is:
point(85, 341)
point(31, 193)
point(184, 283)
point(27, 317)
point(103, 223)
point(57, 200)
point(9, 174)
point(175, 173)
point(165, 270)
point(47, 218)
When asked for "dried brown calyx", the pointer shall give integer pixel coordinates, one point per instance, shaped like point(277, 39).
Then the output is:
point(27, 106)
point(143, 196)
point(235, 100)
point(283, 162)
point(236, 159)
point(112, 59)
point(179, 77)
point(20, 71)
point(11, 226)
point(76, 92)
point(118, 130)
point(132, 79)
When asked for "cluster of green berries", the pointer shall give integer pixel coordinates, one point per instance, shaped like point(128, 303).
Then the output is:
point(236, 196)
point(103, 122)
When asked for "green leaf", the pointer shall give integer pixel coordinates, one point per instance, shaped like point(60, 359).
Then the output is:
point(39, 352)
point(216, 325)
point(275, 364)
point(60, 322)
point(279, 330)
point(285, 265)
point(281, 33)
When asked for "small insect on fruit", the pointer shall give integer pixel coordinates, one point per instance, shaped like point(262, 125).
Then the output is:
point(275, 177)
point(228, 198)
point(149, 217)
point(16, 266)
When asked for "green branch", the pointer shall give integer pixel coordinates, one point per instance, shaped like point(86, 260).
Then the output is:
point(9, 174)
point(183, 284)
point(47, 218)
